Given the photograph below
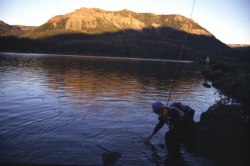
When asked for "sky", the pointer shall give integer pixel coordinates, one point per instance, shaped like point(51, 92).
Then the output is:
point(227, 20)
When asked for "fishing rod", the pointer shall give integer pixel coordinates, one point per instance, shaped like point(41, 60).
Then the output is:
point(180, 56)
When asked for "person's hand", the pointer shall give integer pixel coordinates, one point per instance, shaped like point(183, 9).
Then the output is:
point(148, 138)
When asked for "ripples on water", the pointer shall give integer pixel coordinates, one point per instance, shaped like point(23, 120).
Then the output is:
point(70, 110)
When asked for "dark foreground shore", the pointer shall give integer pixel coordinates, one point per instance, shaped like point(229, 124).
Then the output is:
point(223, 131)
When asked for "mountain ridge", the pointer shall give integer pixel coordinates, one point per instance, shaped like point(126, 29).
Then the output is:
point(96, 21)
point(14, 30)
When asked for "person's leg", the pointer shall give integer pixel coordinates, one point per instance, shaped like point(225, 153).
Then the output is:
point(172, 142)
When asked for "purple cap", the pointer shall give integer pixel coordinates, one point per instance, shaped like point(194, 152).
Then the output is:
point(157, 106)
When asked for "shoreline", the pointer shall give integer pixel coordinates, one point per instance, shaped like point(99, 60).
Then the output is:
point(103, 57)
point(223, 130)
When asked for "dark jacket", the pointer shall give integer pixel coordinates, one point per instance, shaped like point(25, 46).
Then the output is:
point(179, 114)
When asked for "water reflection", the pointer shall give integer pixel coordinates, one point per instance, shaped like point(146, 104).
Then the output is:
point(82, 80)
point(56, 109)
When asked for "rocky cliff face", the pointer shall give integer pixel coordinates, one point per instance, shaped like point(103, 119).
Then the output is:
point(95, 21)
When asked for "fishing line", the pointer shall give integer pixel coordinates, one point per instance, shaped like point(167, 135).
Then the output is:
point(180, 56)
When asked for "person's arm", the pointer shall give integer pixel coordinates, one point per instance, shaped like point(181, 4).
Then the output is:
point(156, 129)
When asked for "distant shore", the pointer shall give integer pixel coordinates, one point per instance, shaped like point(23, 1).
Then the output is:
point(104, 57)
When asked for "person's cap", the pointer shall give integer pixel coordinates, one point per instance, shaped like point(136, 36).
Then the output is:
point(157, 106)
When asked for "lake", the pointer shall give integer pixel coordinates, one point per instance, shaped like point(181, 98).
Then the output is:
point(62, 109)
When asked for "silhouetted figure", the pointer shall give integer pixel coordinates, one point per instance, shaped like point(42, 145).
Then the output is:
point(207, 62)
point(179, 118)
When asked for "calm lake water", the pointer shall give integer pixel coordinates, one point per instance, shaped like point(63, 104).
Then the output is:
point(73, 109)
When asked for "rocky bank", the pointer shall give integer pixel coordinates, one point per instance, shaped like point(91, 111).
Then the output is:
point(223, 131)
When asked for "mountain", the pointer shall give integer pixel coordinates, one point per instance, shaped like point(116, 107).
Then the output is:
point(14, 30)
point(122, 33)
point(97, 21)
point(238, 45)
point(9, 30)
point(25, 29)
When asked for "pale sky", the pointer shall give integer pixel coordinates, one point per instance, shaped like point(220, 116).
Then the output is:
point(228, 20)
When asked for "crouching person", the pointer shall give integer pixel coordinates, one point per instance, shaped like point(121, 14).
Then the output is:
point(179, 119)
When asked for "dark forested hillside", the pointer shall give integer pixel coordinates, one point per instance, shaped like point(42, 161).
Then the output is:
point(130, 43)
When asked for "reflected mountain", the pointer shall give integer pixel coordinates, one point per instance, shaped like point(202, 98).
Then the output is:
point(85, 79)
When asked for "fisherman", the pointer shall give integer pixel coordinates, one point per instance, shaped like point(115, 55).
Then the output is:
point(179, 118)
point(207, 62)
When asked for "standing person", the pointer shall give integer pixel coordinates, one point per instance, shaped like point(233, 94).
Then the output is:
point(207, 62)
point(179, 118)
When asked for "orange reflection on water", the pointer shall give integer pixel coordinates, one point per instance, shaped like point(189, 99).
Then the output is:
point(84, 85)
